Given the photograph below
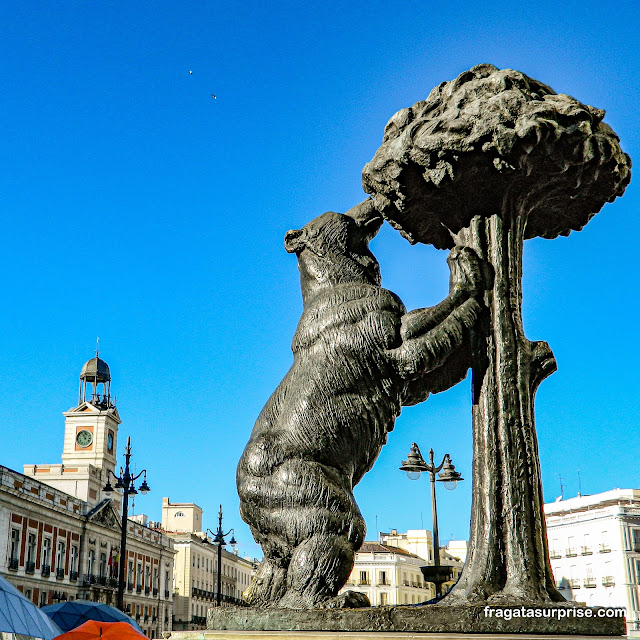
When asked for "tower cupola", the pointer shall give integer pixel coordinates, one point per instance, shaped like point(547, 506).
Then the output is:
point(95, 372)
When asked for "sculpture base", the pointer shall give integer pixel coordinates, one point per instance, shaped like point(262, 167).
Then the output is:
point(548, 619)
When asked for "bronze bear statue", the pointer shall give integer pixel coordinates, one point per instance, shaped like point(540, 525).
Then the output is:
point(358, 357)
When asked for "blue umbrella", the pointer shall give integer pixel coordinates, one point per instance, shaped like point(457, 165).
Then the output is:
point(19, 615)
point(71, 614)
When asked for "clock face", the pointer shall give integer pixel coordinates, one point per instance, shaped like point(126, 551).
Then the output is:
point(110, 442)
point(84, 438)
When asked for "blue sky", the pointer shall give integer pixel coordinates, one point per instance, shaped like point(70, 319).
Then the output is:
point(137, 208)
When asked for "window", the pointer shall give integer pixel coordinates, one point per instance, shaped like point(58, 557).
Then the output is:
point(147, 576)
point(43, 598)
point(74, 559)
point(130, 578)
point(179, 514)
point(139, 575)
point(15, 543)
point(31, 548)
point(635, 540)
point(60, 556)
point(384, 597)
point(364, 577)
point(92, 561)
point(46, 553)
point(382, 578)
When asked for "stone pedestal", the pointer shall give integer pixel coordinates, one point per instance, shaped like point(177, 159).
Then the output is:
point(463, 619)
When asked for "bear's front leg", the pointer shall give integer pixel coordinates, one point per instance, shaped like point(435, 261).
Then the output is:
point(433, 337)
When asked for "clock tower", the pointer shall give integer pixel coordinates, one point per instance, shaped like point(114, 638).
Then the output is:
point(90, 438)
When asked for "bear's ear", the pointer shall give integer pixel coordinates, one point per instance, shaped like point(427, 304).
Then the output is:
point(294, 240)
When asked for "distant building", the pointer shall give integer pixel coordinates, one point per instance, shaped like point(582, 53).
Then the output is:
point(195, 576)
point(458, 549)
point(420, 543)
point(594, 546)
point(388, 575)
point(60, 535)
point(416, 541)
point(90, 440)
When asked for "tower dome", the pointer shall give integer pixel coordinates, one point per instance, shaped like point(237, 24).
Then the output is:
point(95, 372)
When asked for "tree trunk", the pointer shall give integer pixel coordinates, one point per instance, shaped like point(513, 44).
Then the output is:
point(508, 559)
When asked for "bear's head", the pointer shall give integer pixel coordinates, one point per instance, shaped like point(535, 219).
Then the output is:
point(333, 249)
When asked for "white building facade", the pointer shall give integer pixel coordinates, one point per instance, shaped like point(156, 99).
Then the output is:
point(594, 546)
point(195, 579)
point(388, 576)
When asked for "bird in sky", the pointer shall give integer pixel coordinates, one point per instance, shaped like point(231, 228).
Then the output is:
point(190, 72)
point(213, 95)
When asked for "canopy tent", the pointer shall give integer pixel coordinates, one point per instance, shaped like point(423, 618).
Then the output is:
point(96, 629)
point(19, 616)
point(71, 614)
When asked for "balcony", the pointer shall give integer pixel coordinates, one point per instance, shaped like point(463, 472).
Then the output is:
point(13, 564)
point(586, 551)
point(589, 583)
point(30, 568)
point(155, 591)
point(59, 574)
point(604, 548)
point(575, 583)
point(147, 591)
point(138, 588)
point(608, 581)
point(102, 581)
point(554, 555)
point(112, 582)
point(365, 583)
point(571, 553)
point(73, 576)
point(129, 586)
point(166, 594)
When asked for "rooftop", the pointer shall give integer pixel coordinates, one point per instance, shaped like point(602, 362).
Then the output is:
point(614, 497)
point(377, 547)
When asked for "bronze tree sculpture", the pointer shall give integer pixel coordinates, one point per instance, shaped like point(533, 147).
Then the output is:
point(486, 161)
point(358, 358)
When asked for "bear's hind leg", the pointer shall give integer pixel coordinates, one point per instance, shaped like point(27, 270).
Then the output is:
point(268, 585)
point(318, 569)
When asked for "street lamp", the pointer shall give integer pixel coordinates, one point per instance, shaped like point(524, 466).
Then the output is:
point(125, 486)
point(218, 538)
point(414, 465)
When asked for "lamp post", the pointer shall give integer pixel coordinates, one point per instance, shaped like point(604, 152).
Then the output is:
point(414, 465)
point(218, 538)
point(125, 486)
